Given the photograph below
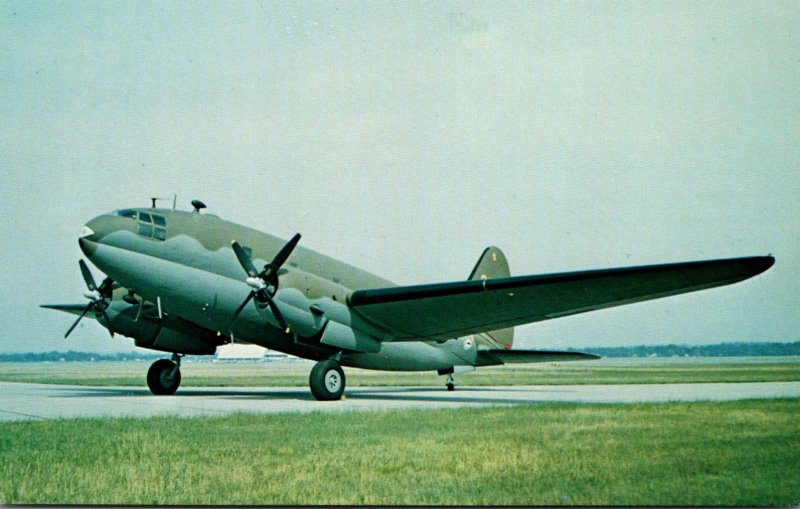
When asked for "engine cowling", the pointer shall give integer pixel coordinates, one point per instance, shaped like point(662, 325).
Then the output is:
point(324, 321)
point(199, 342)
point(167, 334)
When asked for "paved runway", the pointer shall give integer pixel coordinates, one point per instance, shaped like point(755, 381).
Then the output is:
point(20, 401)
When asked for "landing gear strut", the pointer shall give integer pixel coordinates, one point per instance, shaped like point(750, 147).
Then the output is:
point(451, 384)
point(164, 376)
point(327, 380)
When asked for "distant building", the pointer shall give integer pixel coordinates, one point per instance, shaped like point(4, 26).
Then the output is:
point(236, 352)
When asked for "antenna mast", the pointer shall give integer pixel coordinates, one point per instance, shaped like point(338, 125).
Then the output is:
point(155, 198)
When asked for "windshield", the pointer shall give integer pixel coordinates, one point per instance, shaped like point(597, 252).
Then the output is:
point(124, 212)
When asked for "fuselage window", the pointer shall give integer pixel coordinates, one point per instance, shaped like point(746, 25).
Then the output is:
point(145, 217)
point(145, 229)
point(159, 220)
point(127, 213)
point(160, 233)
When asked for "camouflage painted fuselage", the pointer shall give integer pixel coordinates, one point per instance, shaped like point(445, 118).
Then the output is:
point(182, 265)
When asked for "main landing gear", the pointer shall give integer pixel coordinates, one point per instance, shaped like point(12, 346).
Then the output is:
point(164, 376)
point(327, 380)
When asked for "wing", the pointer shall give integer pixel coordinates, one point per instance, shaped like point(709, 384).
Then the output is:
point(448, 310)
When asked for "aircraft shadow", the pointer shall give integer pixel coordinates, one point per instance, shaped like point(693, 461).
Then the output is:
point(460, 388)
point(115, 392)
point(410, 394)
point(435, 395)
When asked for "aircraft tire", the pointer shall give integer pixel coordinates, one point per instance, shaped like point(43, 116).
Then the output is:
point(157, 378)
point(327, 381)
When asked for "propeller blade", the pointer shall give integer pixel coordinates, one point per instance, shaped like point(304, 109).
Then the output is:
point(277, 312)
point(87, 276)
point(108, 321)
point(99, 304)
point(244, 260)
point(239, 310)
point(75, 324)
point(281, 257)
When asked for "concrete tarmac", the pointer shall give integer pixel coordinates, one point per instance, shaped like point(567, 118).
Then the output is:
point(21, 401)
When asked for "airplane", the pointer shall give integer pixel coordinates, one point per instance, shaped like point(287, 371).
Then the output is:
point(186, 282)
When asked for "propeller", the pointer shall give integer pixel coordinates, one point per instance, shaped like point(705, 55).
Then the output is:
point(264, 284)
point(99, 297)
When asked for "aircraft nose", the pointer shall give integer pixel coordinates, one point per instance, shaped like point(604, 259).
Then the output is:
point(88, 237)
point(85, 232)
point(88, 247)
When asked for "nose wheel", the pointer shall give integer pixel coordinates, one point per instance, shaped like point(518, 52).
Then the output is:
point(164, 376)
point(327, 380)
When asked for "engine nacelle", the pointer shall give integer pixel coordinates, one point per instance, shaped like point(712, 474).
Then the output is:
point(347, 338)
point(167, 334)
point(324, 321)
point(194, 342)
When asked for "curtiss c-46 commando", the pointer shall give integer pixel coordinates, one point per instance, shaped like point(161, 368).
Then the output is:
point(187, 282)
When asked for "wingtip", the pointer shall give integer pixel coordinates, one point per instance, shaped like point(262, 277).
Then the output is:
point(753, 265)
point(765, 262)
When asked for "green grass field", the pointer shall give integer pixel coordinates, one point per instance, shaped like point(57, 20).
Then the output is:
point(295, 374)
point(736, 453)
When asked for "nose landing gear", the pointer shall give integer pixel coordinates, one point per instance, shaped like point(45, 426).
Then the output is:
point(164, 376)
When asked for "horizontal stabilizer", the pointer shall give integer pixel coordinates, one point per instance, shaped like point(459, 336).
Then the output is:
point(75, 309)
point(494, 357)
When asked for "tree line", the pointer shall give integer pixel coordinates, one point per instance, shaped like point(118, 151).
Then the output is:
point(715, 350)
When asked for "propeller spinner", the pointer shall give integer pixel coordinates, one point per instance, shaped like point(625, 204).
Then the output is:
point(264, 284)
point(99, 297)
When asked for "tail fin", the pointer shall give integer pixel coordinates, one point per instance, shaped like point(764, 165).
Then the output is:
point(493, 264)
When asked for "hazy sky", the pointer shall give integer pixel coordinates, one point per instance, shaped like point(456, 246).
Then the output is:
point(404, 137)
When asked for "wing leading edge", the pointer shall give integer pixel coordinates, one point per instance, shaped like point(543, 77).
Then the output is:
point(447, 310)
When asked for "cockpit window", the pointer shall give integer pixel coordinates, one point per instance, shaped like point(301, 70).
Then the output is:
point(145, 226)
point(145, 229)
point(127, 213)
